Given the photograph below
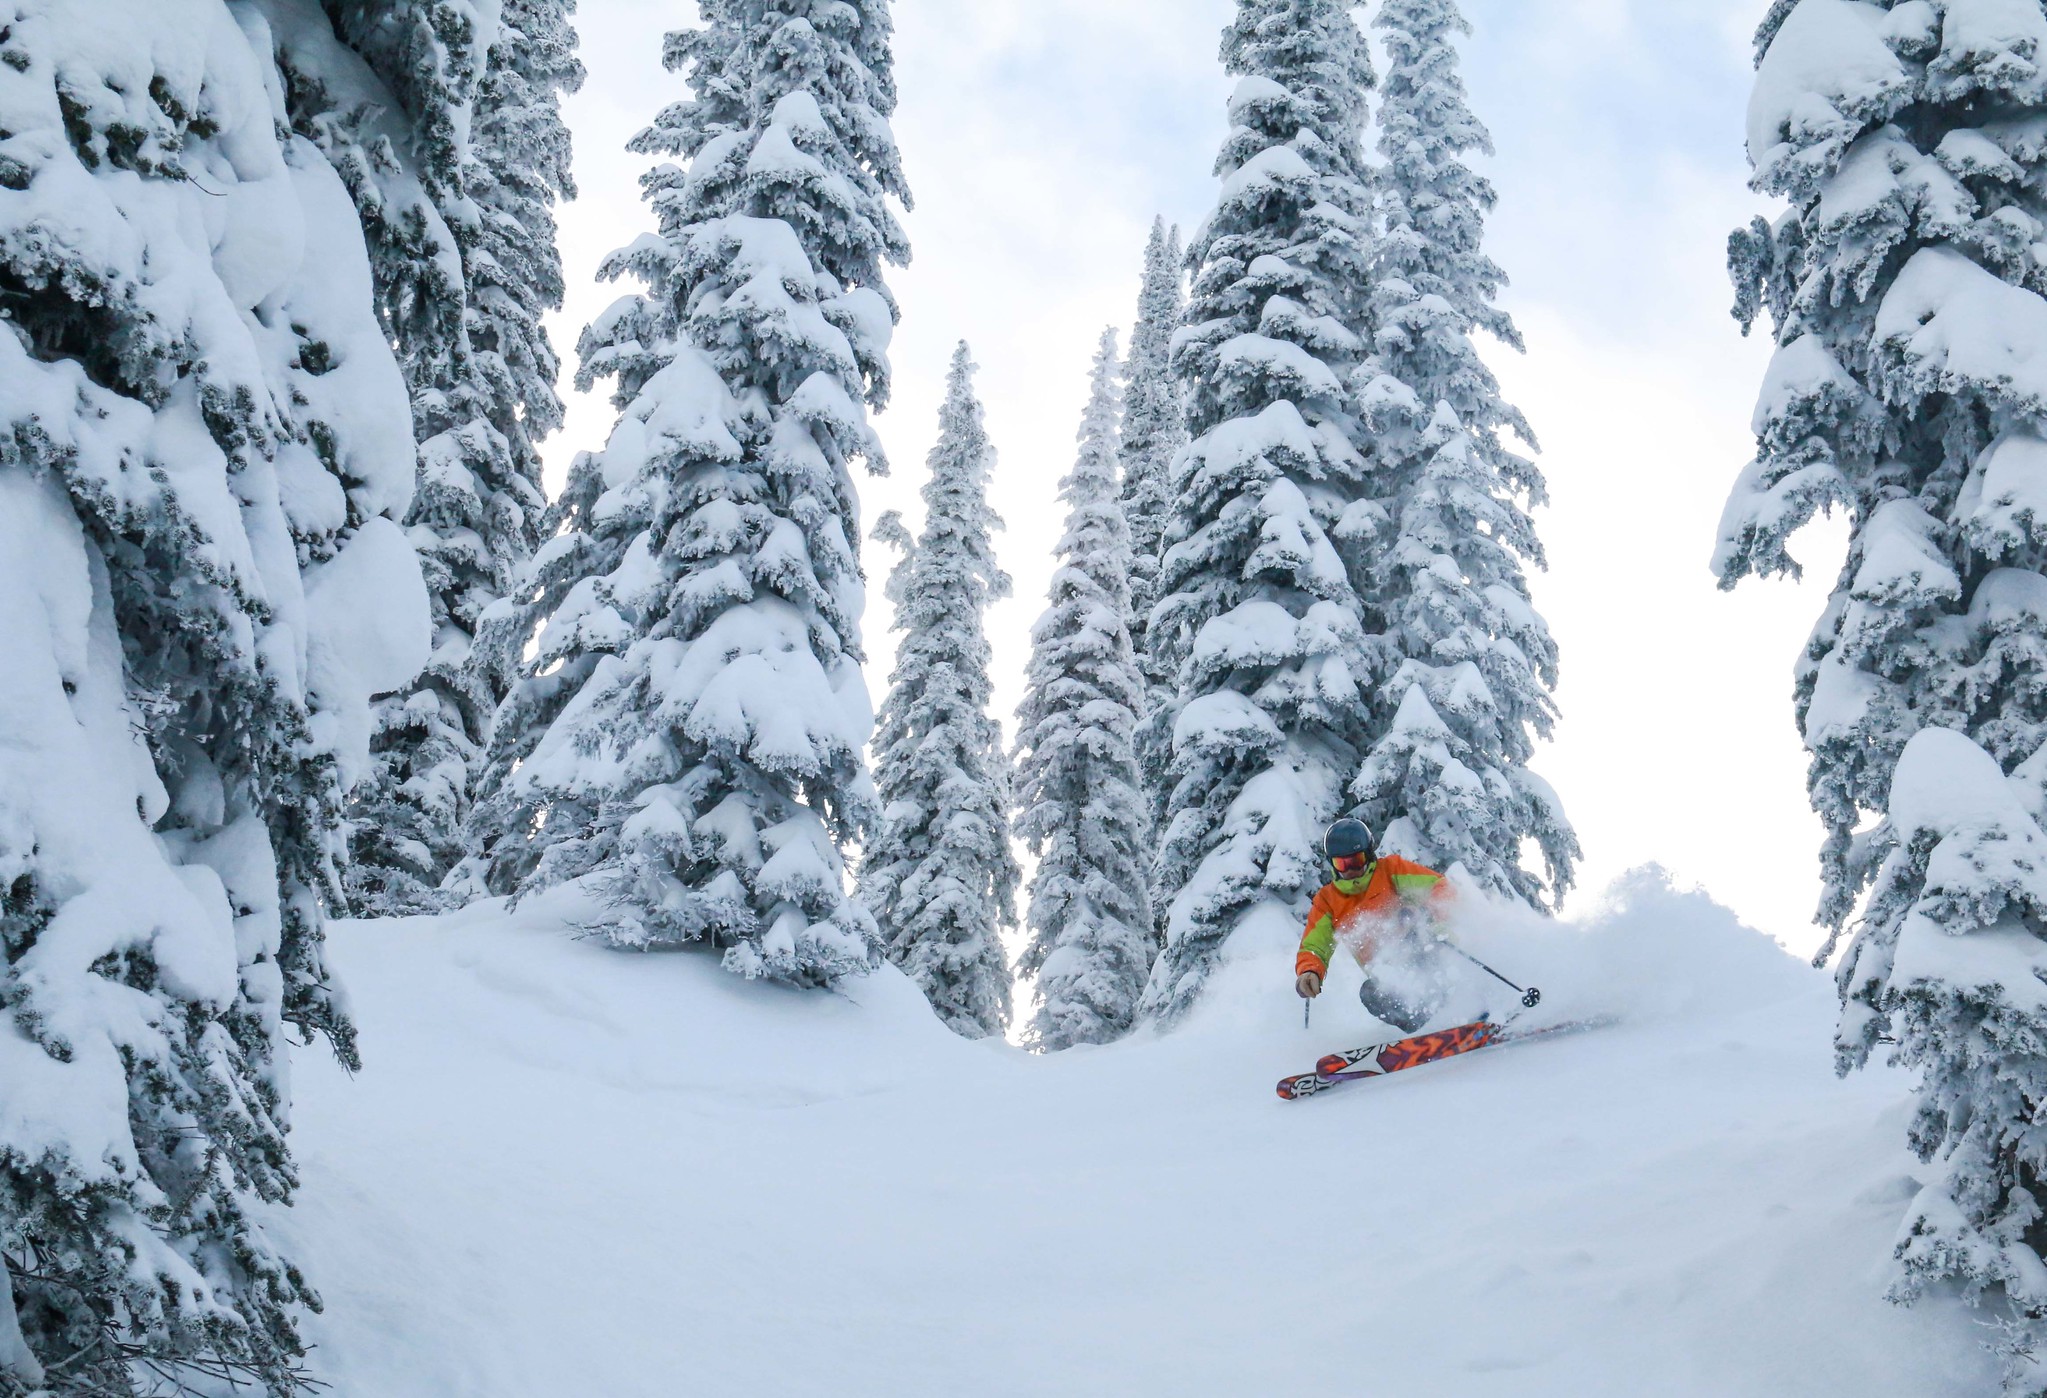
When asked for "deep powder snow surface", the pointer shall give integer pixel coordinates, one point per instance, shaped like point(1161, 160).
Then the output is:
point(571, 1171)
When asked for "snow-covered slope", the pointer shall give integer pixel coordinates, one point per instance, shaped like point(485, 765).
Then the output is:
point(569, 1171)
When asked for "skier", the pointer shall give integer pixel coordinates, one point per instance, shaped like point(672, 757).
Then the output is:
point(1371, 903)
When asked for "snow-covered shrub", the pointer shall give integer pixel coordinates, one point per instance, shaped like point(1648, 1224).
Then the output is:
point(1466, 667)
point(206, 453)
point(939, 874)
point(1081, 806)
point(1906, 284)
point(689, 731)
point(1260, 619)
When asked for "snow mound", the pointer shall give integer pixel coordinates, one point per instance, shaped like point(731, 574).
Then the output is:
point(567, 1169)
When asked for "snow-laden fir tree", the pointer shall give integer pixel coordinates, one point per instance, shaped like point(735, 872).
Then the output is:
point(207, 450)
point(1154, 430)
point(1467, 667)
point(482, 373)
point(1260, 619)
point(688, 736)
point(522, 170)
point(431, 55)
point(939, 874)
point(1909, 295)
point(1081, 807)
point(385, 88)
point(1950, 960)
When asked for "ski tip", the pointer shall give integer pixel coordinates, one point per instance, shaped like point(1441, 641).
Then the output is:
point(1331, 1063)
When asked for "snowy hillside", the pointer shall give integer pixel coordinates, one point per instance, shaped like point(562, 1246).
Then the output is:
point(568, 1170)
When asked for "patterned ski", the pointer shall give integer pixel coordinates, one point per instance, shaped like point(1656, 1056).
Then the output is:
point(1377, 1060)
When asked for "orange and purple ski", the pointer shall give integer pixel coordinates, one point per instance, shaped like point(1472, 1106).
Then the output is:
point(1377, 1060)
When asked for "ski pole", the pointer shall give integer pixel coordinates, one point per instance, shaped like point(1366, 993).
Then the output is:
point(1307, 1012)
point(1530, 997)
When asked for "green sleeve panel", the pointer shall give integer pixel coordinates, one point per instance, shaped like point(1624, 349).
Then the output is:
point(1320, 941)
point(1408, 885)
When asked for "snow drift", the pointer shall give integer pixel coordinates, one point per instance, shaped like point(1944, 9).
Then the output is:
point(567, 1169)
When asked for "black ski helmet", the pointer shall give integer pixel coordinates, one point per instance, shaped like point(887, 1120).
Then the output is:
point(1348, 837)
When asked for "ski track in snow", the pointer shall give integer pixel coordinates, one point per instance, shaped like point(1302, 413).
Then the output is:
point(566, 1169)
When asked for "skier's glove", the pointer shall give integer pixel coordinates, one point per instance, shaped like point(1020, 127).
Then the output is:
point(1307, 985)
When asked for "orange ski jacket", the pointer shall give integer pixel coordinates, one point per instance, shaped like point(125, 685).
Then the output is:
point(1386, 884)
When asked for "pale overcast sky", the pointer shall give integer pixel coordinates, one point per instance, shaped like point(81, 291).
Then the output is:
point(1040, 138)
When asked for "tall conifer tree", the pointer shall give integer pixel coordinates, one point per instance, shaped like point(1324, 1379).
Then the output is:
point(1909, 297)
point(940, 876)
point(1154, 430)
point(1467, 666)
point(1082, 808)
point(688, 736)
point(1261, 620)
point(480, 97)
point(206, 452)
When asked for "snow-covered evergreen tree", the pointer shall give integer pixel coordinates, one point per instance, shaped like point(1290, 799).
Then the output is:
point(1909, 294)
point(1467, 665)
point(1081, 807)
point(1154, 430)
point(1260, 618)
point(1950, 959)
point(688, 736)
point(384, 88)
point(430, 54)
point(207, 450)
point(495, 154)
point(939, 875)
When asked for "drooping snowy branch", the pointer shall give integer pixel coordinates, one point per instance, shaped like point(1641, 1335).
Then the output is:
point(1952, 961)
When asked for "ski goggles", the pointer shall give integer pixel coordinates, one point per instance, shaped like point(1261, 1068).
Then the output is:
point(1351, 865)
